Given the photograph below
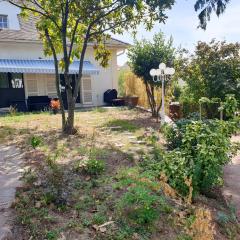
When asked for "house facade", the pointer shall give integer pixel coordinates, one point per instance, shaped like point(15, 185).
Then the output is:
point(25, 71)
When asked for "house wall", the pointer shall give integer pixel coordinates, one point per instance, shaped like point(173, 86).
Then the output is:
point(107, 77)
point(12, 12)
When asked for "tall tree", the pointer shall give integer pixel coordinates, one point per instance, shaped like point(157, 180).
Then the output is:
point(144, 56)
point(213, 71)
point(206, 7)
point(67, 26)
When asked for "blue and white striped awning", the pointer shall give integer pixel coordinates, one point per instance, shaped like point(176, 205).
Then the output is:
point(42, 66)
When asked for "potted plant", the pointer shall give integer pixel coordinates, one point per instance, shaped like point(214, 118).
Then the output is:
point(55, 105)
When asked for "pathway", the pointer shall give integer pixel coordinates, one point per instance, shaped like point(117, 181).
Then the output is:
point(232, 180)
point(10, 171)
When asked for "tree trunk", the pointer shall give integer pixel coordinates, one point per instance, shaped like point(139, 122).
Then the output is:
point(57, 80)
point(151, 100)
point(69, 126)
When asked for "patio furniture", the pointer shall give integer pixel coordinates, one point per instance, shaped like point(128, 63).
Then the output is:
point(19, 105)
point(38, 103)
point(110, 97)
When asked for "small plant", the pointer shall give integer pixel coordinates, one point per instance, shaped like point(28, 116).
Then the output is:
point(99, 218)
point(35, 141)
point(52, 235)
point(94, 166)
point(138, 205)
point(13, 110)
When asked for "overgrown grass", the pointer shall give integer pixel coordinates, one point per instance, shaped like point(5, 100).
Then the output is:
point(61, 199)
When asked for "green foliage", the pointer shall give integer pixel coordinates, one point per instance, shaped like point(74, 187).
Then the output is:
point(139, 205)
point(35, 141)
point(207, 7)
point(99, 218)
point(201, 149)
point(143, 203)
point(66, 29)
point(94, 166)
point(52, 235)
point(230, 105)
point(144, 56)
point(212, 72)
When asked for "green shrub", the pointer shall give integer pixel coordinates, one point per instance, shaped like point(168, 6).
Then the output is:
point(95, 166)
point(230, 105)
point(201, 149)
point(35, 141)
point(174, 134)
point(138, 205)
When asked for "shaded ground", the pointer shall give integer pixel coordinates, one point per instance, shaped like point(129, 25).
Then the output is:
point(232, 180)
point(10, 172)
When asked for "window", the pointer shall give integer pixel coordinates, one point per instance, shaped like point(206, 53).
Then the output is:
point(17, 80)
point(3, 21)
point(4, 83)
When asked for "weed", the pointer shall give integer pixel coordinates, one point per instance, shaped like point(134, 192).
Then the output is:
point(99, 218)
point(94, 166)
point(35, 141)
point(12, 111)
point(29, 176)
point(52, 235)
point(138, 205)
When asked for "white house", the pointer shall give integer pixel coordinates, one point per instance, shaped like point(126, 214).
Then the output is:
point(26, 72)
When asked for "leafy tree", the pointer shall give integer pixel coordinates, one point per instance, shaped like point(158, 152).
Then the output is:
point(66, 27)
point(213, 72)
point(144, 56)
point(206, 7)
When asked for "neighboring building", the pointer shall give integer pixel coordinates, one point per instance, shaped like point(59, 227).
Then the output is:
point(25, 71)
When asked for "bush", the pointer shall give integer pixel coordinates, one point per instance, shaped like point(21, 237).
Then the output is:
point(201, 149)
point(95, 166)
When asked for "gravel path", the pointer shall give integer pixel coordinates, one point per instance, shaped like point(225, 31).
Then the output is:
point(232, 180)
point(10, 172)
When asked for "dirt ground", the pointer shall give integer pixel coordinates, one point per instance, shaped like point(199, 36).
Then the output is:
point(118, 136)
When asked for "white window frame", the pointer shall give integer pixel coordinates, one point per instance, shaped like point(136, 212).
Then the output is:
point(2, 22)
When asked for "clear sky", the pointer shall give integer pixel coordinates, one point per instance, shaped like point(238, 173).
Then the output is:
point(182, 24)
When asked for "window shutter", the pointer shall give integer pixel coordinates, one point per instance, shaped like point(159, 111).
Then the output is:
point(87, 89)
point(51, 86)
point(32, 87)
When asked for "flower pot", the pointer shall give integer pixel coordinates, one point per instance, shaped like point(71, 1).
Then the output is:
point(131, 101)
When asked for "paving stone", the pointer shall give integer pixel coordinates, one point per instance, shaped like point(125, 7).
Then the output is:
point(10, 172)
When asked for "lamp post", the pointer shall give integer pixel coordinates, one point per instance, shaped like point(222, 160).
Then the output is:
point(160, 75)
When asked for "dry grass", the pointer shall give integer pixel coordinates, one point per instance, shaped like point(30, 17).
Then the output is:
point(114, 135)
